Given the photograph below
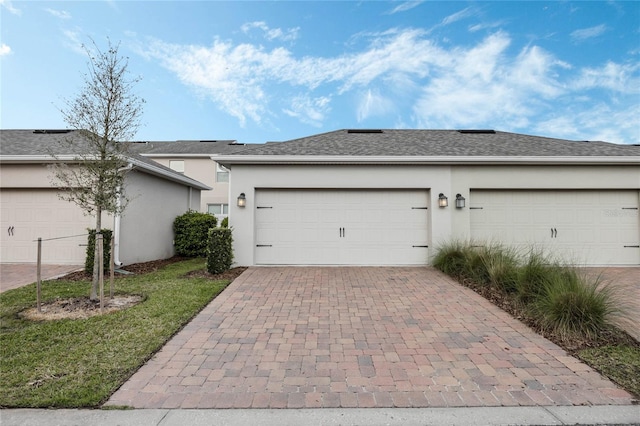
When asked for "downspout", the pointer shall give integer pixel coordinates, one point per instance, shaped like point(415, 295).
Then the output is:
point(116, 222)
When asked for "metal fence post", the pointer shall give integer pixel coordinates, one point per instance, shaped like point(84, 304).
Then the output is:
point(39, 275)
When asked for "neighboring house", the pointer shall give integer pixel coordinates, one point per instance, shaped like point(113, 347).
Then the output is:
point(31, 209)
point(371, 197)
point(193, 159)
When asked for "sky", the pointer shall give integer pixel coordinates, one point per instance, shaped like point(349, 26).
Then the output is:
point(274, 71)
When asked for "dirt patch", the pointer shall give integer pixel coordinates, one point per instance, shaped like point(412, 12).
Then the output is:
point(79, 308)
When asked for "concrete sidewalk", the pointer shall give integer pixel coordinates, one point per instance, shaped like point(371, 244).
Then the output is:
point(555, 415)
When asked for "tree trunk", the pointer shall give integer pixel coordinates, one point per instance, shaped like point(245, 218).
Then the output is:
point(96, 259)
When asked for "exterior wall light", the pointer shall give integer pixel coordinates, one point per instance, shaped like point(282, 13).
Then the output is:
point(442, 200)
point(242, 200)
point(459, 201)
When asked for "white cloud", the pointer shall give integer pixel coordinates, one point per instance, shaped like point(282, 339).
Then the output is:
point(373, 104)
point(484, 85)
point(312, 111)
point(62, 14)
point(463, 14)
point(622, 78)
point(7, 4)
point(272, 33)
point(404, 6)
point(4, 50)
point(599, 122)
point(585, 33)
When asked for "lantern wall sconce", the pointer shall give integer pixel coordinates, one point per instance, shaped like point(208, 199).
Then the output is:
point(443, 201)
point(242, 200)
point(459, 201)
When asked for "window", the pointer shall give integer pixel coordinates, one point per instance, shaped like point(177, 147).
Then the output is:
point(177, 165)
point(222, 174)
point(218, 209)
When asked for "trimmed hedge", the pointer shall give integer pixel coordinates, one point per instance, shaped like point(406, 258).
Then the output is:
point(224, 223)
point(190, 233)
point(106, 237)
point(219, 250)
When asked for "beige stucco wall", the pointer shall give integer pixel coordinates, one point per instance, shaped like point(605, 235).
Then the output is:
point(25, 176)
point(202, 170)
point(450, 180)
point(146, 231)
point(146, 227)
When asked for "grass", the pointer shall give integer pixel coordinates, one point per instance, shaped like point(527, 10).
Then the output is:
point(80, 363)
point(620, 363)
point(578, 312)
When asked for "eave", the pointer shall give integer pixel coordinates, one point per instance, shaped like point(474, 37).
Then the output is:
point(424, 160)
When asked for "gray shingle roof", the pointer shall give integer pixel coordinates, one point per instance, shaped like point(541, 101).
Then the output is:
point(188, 147)
point(36, 143)
point(402, 143)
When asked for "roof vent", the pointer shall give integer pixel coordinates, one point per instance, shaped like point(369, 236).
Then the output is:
point(364, 131)
point(477, 131)
point(51, 132)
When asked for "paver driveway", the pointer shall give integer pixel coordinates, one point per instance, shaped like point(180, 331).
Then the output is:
point(358, 337)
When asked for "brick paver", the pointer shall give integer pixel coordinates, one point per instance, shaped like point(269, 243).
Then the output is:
point(359, 337)
point(15, 275)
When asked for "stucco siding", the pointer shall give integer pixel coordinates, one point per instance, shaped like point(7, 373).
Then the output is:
point(146, 230)
point(445, 223)
point(202, 170)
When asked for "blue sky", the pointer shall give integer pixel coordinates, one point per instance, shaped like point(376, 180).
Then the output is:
point(273, 71)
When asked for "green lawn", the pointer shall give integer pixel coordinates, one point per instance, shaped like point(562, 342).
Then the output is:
point(80, 363)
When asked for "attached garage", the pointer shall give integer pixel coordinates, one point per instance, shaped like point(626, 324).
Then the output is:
point(341, 226)
point(30, 207)
point(592, 227)
point(355, 197)
point(29, 214)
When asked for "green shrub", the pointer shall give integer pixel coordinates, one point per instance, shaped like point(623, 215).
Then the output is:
point(453, 259)
point(225, 222)
point(219, 250)
point(91, 242)
point(500, 267)
point(190, 233)
point(571, 305)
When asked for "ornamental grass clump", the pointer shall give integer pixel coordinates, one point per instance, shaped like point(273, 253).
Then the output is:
point(574, 305)
point(499, 267)
point(454, 259)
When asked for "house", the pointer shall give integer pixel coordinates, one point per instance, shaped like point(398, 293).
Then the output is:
point(391, 197)
point(31, 208)
point(193, 159)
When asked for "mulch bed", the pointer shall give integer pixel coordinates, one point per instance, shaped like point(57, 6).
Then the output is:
point(572, 344)
point(147, 267)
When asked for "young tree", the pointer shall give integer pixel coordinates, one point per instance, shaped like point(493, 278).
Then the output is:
point(105, 112)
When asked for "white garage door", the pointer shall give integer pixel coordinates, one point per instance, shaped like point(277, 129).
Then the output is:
point(581, 227)
point(341, 227)
point(26, 215)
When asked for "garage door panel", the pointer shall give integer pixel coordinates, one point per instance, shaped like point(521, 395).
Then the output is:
point(593, 227)
point(39, 213)
point(365, 227)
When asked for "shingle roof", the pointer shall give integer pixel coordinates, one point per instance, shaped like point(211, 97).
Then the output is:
point(187, 147)
point(39, 142)
point(28, 144)
point(402, 143)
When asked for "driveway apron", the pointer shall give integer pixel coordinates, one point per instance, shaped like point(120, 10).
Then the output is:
point(286, 337)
